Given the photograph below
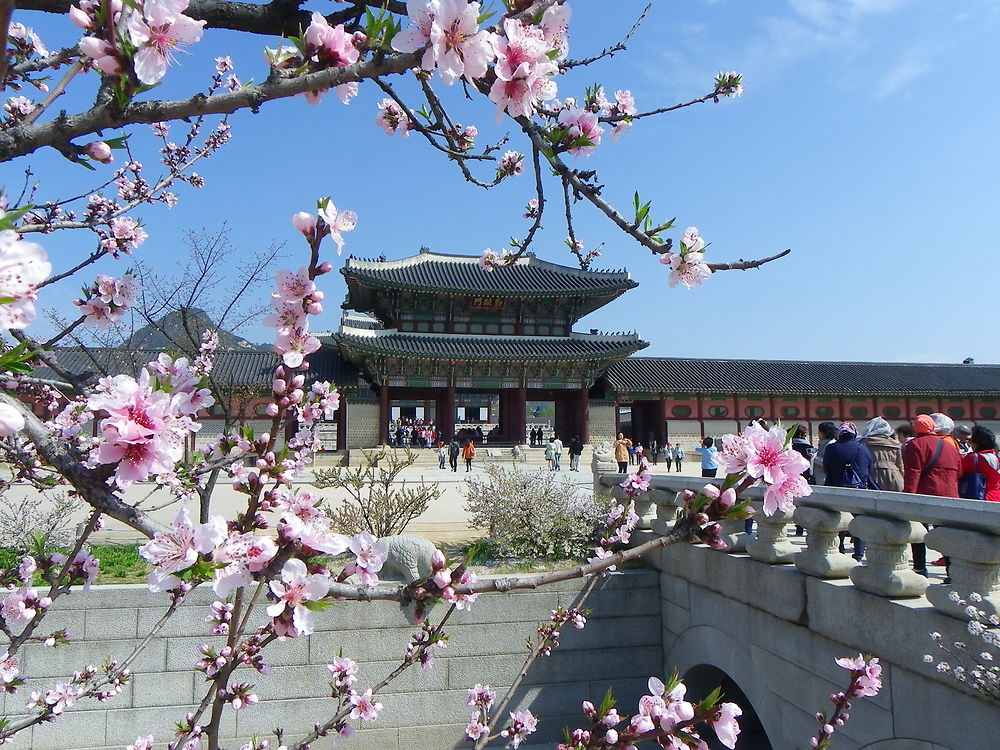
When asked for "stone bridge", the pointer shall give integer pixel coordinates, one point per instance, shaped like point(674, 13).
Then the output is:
point(768, 617)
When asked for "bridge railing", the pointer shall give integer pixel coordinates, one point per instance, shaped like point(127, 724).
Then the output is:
point(965, 531)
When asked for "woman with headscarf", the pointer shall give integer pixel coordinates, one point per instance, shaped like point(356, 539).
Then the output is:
point(887, 453)
point(848, 463)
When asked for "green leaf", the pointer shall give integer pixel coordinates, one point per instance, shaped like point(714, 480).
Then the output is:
point(607, 703)
point(8, 219)
point(710, 700)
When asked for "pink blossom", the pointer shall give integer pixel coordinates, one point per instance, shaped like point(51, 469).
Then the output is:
point(735, 451)
point(624, 102)
point(689, 269)
point(726, 727)
point(104, 55)
point(449, 30)
point(481, 696)
point(295, 345)
point(692, 241)
point(392, 119)
point(475, 728)
point(9, 668)
point(555, 28)
point(522, 723)
point(20, 606)
point(156, 43)
point(293, 287)
point(511, 164)
point(143, 742)
point(329, 45)
point(344, 672)
point(293, 591)
point(176, 550)
point(365, 708)
point(305, 223)
point(419, 35)
point(583, 130)
point(782, 493)
point(371, 555)
point(524, 70)
point(491, 259)
point(126, 235)
point(768, 457)
point(23, 265)
point(337, 222)
point(11, 420)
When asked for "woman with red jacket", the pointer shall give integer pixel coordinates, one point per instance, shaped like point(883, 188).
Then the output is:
point(984, 460)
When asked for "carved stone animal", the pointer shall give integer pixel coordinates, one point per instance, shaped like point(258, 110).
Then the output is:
point(409, 557)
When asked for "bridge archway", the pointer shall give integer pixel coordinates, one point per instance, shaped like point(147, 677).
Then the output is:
point(900, 743)
point(707, 657)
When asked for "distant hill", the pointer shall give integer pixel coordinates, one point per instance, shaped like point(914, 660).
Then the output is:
point(172, 326)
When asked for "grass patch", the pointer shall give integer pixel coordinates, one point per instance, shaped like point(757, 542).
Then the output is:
point(119, 563)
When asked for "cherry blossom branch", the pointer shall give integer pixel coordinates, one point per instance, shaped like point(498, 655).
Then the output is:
point(58, 90)
point(25, 139)
point(684, 531)
point(276, 18)
point(533, 655)
point(411, 659)
point(55, 60)
point(620, 46)
point(743, 265)
point(6, 11)
point(91, 484)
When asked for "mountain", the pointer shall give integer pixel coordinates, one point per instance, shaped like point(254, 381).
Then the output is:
point(172, 328)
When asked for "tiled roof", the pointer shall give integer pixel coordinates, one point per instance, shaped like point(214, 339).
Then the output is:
point(231, 367)
point(529, 276)
point(761, 376)
point(577, 346)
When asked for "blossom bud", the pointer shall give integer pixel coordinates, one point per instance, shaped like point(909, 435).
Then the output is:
point(99, 151)
point(701, 519)
point(710, 491)
point(588, 708)
point(727, 499)
point(687, 496)
point(298, 381)
point(314, 308)
point(611, 736)
point(324, 267)
point(11, 420)
point(81, 18)
point(305, 223)
point(437, 560)
point(279, 385)
point(272, 410)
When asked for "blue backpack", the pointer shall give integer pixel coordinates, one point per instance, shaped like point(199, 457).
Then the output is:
point(972, 486)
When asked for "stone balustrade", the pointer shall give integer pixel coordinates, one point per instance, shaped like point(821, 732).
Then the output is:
point(965, 531)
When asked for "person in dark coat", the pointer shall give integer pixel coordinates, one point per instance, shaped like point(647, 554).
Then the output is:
point(849, 463)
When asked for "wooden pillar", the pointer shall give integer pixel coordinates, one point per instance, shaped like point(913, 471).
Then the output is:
point(448, 413)
point(521, 411)
point(583, 422)
point(383, 414)
point(342, 423)
point(664, 416)
point(618, 417)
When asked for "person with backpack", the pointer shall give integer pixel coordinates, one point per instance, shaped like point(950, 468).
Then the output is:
point(980, 479)
point(848, 463)
point(550, 453)
point(887, 454)
point(930, 467)
point(575, 451)
point(453, 450)
point(678, 457)
point(469, 453)
point(668, 455)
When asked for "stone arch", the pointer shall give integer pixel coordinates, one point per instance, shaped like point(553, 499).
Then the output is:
point(702, 654)
point(904, 743)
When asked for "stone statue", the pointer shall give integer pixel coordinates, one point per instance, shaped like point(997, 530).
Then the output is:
point(409, 558)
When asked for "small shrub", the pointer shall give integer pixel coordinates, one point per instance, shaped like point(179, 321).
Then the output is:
point(534, 514)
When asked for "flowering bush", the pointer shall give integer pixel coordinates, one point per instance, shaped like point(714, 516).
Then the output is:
point(980, 671)
point(533, 514)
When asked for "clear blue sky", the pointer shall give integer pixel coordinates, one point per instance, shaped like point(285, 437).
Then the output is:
point(866, 142)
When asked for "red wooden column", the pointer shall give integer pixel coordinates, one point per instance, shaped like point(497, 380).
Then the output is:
point(618, 418)
point(383, 414)
point(342, 423)
point(520, 406)
point(664, 416)
point(584, 418)
point(446, 419)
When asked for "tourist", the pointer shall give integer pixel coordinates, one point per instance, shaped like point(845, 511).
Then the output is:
point(678, 457)
point(639, 453)
point(575, 451)
point(707, 450)
point(983, 459)
point(930, 467)
point(479, 434)
point(469, 453)
point(442, 454)
point(550, 453)
point(962, 433)
point(802, 446)
point(631, 454)
point(453, 450)
point(886, 452)
point(654, 451)
point(904, 434)
point(827, 434)
point(848, 463)
point(557, 449)
point(943, 426)
point(622, 451)
point(668, 455)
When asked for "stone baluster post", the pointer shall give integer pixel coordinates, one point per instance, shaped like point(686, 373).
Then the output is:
point(734, 535)
point(772, 544)
point(889, 568)
point(666, 511)
point(820, 557)
point(974, 567)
